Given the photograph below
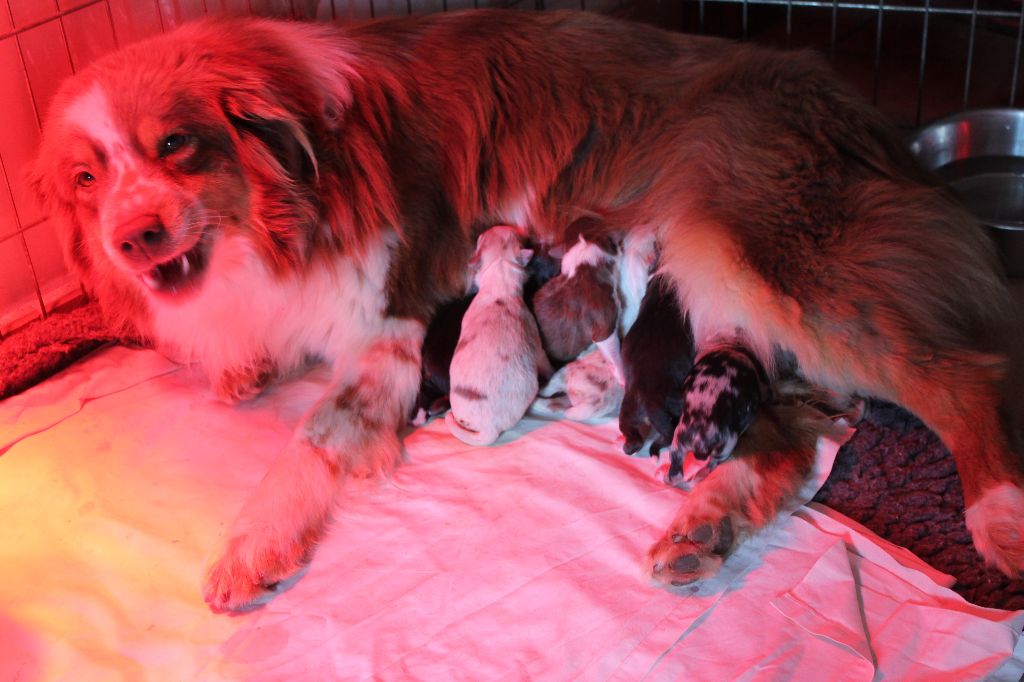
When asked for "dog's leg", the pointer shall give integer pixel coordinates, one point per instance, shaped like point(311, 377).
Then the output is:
point(964, 412)
point(352, 431)
point(770, 464)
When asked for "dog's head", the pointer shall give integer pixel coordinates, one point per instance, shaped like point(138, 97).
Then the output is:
point(153, 154)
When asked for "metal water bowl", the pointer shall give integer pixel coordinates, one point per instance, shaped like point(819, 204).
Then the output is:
point(980, 156)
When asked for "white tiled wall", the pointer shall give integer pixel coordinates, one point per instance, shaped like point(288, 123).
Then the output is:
point(44, 41)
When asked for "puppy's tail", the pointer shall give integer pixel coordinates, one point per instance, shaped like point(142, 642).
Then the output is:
point(469, 436)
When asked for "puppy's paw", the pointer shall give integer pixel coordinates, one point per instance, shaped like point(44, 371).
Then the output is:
point(997, 528)
point(249, 571)
point(693, 548)
point(244, 383)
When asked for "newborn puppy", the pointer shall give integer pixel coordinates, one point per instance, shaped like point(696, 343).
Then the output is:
point(436, 357)
point(443, 335)
point(545, 265)
point(657, 353)
point(581, 306)
point(585, 390)
point(494, 372)
point(721, 397)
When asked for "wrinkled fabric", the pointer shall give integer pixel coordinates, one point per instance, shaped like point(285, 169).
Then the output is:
point(512, 562)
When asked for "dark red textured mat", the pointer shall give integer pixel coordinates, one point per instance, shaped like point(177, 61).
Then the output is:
point(896, 478)
point(45, 347)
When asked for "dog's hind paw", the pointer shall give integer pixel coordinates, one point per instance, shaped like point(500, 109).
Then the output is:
point(693, 548)
point(996, 522)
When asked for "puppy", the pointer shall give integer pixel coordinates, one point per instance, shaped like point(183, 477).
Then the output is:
point(494, 373)
point(581, 306)
point(721, 397)
point(436, 357)
point(585, 390)
point(657, 354)
point(545, 265)
point(248, 193)
point(443, 335)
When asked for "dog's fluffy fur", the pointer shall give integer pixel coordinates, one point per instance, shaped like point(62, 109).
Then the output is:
point(249, 194)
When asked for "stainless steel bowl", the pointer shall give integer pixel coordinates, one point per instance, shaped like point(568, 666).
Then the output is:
point(980, 156)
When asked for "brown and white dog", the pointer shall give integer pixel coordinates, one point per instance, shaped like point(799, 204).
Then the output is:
point(250, 193)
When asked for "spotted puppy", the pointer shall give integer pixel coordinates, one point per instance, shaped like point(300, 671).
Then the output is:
point(585, 390)
point(721, 398)
point(443, 335)
point(499, 360)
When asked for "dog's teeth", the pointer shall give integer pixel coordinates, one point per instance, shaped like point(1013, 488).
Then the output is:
point(150, 280)
point(184, 265)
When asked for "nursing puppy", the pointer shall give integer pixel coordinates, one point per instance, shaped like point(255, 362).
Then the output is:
point(436, 355)
point(443, 335)
point(251, 193)
point(499, 357)
point(657, 354)
point(581, 305)
point(721, 397)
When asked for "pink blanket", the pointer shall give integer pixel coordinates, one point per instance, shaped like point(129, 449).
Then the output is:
point(516, 561)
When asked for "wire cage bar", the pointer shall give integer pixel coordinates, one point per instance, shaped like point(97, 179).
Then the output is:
point(915, 47)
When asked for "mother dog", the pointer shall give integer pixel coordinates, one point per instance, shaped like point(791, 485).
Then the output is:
point(251, 194)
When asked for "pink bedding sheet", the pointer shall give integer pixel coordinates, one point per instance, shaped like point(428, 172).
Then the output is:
point(520, 561)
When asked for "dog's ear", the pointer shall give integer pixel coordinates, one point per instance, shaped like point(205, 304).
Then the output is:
point(258, 112)
point(42, 179)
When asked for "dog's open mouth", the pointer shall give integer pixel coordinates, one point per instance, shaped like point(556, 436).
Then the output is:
point(178, 274)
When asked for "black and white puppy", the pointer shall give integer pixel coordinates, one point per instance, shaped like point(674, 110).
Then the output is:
point(721, 397)
point(657, 354)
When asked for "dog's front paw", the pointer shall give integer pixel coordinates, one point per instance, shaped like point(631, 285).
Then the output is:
point(249, 571)
point(693, 548)
point(997, 528)
point(244, 383)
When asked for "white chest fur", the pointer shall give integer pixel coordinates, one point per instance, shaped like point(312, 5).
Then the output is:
point(243, 312)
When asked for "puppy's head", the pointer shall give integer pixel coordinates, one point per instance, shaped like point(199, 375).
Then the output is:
point(155, 153)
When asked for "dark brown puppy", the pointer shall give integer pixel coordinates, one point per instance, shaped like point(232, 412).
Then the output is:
point(657, 354)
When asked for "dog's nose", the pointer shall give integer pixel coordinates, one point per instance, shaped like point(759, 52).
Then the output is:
point(141, 239)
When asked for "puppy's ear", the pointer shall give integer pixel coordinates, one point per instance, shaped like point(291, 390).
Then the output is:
point(259, 113)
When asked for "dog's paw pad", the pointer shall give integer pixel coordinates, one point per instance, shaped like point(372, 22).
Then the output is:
point(691, 551)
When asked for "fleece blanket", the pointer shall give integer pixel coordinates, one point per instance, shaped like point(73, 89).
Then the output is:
point(517, 561)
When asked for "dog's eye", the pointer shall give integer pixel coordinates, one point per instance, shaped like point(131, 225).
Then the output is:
point(173, 144)
point(85, 179)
